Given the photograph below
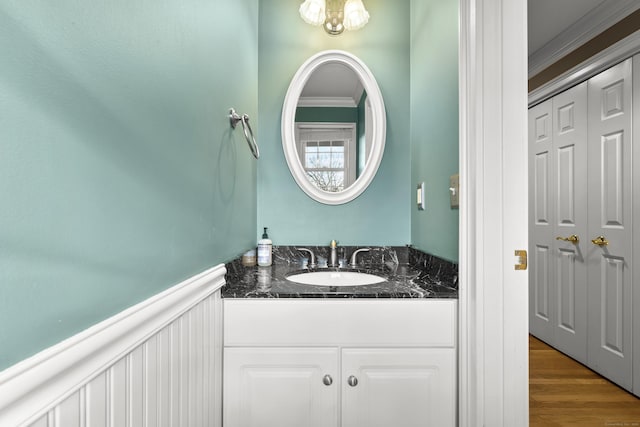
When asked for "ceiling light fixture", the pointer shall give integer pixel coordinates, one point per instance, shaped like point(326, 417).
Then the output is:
point(335, 16)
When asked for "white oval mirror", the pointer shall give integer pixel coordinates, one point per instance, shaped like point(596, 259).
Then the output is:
point(333, 127)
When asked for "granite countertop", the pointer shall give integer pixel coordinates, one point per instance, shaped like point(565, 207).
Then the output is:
point(409, 273)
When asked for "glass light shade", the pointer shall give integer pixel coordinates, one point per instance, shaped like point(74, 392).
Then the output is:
point(313, 11)
point(355, 15)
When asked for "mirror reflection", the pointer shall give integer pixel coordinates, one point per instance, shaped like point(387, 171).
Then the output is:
point(333, 127)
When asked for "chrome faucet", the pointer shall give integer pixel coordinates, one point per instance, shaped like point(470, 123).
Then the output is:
point(354, 257)
point(312, 257)
point(333, 255)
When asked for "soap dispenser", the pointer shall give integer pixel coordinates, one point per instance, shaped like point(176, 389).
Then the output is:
point(265, 247)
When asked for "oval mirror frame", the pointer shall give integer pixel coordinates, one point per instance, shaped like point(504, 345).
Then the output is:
point(379, 126)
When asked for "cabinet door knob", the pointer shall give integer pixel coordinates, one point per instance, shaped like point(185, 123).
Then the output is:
point(352, 381)
point(327, 380)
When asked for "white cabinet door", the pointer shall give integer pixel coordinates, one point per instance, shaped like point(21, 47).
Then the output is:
point(570, 219)
point(399, 387)
point(610, 215)
point(281, 387)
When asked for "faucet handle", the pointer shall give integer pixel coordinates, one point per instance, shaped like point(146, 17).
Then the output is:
point(354, 257)
point(312, 257)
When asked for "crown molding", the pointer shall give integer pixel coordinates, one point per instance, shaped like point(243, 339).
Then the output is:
point(324, 101)
point(602, 17)
point(610, 56)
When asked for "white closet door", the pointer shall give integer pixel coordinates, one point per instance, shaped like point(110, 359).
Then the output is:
point(570, 219)
point(609, 266)
point(541, 303)
point(636, 236)
point(558, 188)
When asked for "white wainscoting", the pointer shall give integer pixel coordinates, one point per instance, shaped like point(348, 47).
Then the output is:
point(158, 363)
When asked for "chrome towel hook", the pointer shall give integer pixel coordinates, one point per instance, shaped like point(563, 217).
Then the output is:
point(234, 118)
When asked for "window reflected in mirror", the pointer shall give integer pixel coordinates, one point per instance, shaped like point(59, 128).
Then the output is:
point(328, 154)
point(331, 127)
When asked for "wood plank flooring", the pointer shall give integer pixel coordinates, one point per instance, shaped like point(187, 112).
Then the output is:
point(562, 392)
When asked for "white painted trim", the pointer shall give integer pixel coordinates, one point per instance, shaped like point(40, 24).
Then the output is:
point(379, 132)
point(35, 384)
point(308, 101)
point(614, 54)
point(470, 396)
point(599, 19)
point(635, 186)
point(261, 322)
point(493, 379)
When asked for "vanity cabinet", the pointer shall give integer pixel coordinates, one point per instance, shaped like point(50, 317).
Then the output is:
point(339, 363)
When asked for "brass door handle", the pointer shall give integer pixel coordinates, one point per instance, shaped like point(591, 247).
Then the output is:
point(573, 239)
point(600, 241)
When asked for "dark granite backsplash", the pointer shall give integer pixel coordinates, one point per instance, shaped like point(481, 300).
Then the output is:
point(378, 255)
point(439, 269)
point(410, 273)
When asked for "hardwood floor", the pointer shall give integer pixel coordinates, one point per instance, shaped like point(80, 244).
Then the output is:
point(562, 392)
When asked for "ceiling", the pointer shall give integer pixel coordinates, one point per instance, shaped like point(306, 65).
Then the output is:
point(549, 18)
point(333, 81)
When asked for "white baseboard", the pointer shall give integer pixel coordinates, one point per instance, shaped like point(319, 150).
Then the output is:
point(157, 359)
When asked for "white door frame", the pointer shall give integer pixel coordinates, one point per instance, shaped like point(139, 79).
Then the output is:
point(493, 296)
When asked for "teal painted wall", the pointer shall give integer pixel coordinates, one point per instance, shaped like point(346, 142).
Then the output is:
point(381, 215)
point(434, 123)
point(119, 175)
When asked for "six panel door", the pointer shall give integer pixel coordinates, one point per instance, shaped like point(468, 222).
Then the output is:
point(610, 213)
point(558, 226)
point(570, 221)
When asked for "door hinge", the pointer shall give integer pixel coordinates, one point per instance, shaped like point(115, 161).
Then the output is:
point(522, 260)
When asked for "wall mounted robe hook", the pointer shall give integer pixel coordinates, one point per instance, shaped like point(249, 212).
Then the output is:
point(234, 118)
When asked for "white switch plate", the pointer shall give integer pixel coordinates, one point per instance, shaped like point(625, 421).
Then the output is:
point(420, 196)
point(454, 190)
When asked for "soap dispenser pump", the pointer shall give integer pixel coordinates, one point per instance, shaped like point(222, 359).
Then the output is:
point(265, 247)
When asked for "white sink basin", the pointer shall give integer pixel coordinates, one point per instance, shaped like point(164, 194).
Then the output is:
point(335, 278)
